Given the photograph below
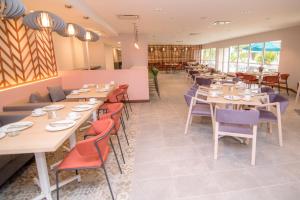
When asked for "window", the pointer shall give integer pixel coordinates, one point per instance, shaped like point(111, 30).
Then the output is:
point(208, 57)
point(248, 57)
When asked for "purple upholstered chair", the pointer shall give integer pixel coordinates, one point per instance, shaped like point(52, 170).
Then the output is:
point(203, 81)
point(236, 123)
point(280, 104)
point(267, 90)
point(197, 107)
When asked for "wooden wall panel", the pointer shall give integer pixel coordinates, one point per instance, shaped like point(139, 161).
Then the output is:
point(25, 55)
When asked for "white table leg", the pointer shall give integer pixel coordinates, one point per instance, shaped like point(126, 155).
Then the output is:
point(94, 115)
point(72, 140)
point(43, 175)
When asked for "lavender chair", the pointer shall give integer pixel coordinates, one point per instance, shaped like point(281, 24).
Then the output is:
point(236, 123)
point(267, 90)
point(266, 114)
point(197, 107)
point(203, 81)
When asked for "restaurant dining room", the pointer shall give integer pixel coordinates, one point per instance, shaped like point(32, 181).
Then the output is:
point(149, 100)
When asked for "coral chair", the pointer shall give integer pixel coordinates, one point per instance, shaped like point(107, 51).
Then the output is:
point(114, 111)
point(125, 88)
point(250, 79)
point(236, 123)
point(118, 96)
point(90, 154)
point(271, 81)
point(284, 81)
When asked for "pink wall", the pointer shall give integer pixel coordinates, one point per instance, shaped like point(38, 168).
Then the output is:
point(21, 93)
point(136, 77)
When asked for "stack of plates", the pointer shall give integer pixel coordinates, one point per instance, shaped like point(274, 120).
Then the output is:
point(60, 125)
point(82, 107)
point(53, 107)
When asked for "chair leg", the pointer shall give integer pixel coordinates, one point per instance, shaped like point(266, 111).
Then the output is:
point(216, 140)
point(125, 135)
point(120, 148)
point(128, 102)
point(280, 132)
point(287, 88)
point(122, 122)
point(109, 186)
point(187, 123)
point(112, 146)
point(253, 155)
point(57, 184)
point(126, 111)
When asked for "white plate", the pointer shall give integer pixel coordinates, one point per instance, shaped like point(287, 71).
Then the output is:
point(84, 90)
point(232, 97)
point(2, 134)
point(245, 99)
point(60, 125)
point(102, 90)
point(53, 107)
point(78, 116)
point(17, 126)
point(81, 108)
point(33, 114)
point(93, 103)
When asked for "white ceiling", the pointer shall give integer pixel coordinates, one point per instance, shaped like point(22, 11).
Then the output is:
point(176, 19)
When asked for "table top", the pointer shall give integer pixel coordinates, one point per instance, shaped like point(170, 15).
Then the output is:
point(93, 93)
point(37, 139)
point(226, 89)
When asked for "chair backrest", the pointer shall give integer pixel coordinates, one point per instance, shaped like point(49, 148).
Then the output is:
point(203, 81)
point(283, 102)
point(239, 74)
point(116, 95)
point(124, 87)
point(284, 76)
point(249, 77)
point(188, 96)
point(267, 90)
point(89, 146)
point(239, 117)
point(271, 79)
point(114, 111)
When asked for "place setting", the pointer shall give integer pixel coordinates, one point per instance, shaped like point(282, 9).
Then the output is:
point(14, 129)
point(82, 107)
point(53, 107)
point(38, 112)
point(60, 125)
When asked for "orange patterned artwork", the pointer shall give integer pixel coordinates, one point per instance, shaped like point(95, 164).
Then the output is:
point(25, 55)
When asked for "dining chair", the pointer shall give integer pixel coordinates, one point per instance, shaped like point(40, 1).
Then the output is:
point(267, 115)
point(114, 111)
point(267, 90)
point(250, 79)
point(239, 75)
point(118, 96)
point(197, 107)
point(284, 81)
point(89, 154)
point(203, 81)
point(298, 92)
point(271, 81)
point(236, 123)
point(125, 88)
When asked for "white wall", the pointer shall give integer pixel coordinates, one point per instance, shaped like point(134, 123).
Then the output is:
point(109, 57)
point(71, 53)
point(290, 49)
point(130, 55)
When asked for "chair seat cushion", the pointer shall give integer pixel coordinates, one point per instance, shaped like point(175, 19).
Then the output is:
point(74, 160)
point(201, 110)
point(265, 115)
point(235, 128)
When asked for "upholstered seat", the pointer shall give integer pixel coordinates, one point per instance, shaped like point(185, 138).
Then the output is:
point(201, 109)
point(265, 115)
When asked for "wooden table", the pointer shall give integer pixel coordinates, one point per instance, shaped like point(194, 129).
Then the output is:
point(93, 93)
point(255, 100)
point(38, 140)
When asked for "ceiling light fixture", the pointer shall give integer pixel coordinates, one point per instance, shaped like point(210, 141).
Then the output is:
point(71, 29)
point(158, 9)
point(44, 20)
point(136, 36)
point(86, 17)
point(11, 9)
point(221, 22)
point(69, 6)
point(88, 36)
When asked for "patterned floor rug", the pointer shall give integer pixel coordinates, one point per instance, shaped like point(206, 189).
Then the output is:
point(93, 184)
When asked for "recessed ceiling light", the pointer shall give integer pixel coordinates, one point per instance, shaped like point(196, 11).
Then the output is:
point(221, 22)
point(86, 17)
point(192, 34)
point(246, 12)
point(158, 9)
point(119, 42)
point(69, 6)
point(31, 11)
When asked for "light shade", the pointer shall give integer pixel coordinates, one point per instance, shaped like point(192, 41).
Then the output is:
point(40, 20)
point(88, 36)
point(11, 9)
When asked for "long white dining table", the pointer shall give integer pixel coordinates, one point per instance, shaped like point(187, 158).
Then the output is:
point(39, 141)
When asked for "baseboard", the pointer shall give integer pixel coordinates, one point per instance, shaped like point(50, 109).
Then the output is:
point(140, 101)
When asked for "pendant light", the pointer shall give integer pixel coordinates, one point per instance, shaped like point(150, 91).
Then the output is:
point(10, 9)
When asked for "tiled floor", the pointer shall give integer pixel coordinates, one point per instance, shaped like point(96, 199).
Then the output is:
point(172, 166)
